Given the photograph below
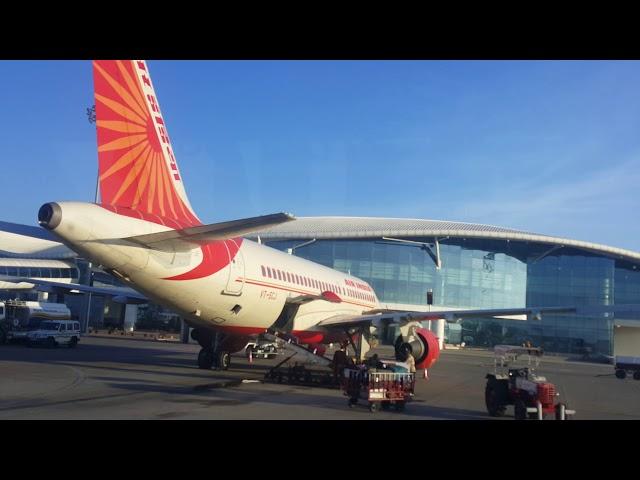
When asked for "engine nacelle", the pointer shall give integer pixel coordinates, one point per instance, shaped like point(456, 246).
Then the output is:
point(424, 348)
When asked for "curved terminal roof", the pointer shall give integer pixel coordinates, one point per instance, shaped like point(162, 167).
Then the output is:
point(373, 227)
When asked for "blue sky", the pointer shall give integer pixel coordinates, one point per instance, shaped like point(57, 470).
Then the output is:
point(551, 147)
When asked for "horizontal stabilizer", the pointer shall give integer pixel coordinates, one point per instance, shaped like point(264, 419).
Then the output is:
point(189, 238)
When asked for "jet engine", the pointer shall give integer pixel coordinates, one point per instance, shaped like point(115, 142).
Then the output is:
point(424, 348)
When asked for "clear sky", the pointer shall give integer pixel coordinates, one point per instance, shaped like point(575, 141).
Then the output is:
point(550, 147)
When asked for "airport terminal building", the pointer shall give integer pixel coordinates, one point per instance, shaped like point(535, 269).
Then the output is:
point(471, 266)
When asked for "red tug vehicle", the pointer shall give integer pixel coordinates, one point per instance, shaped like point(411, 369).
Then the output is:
point(530, 394)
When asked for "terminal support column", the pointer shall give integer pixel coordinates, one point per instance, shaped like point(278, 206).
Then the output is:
point(440, 332)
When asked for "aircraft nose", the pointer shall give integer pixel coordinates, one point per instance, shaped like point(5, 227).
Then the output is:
point(50, 215)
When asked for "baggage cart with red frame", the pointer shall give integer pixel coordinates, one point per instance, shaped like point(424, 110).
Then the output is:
point(380, 388)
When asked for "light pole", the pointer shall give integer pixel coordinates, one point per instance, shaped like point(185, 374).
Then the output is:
point(91, 114)
point(430, 302)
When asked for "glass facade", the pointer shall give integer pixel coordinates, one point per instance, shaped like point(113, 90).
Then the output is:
point(478, 273)
point(40, 272)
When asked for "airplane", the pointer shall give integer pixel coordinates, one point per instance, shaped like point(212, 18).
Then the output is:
point(228, 288)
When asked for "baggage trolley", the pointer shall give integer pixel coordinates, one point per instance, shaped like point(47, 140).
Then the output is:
point(380, 388)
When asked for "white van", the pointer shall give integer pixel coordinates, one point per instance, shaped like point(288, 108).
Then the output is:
point(55, 332)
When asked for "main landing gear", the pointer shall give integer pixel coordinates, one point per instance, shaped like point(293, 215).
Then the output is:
point(208, 358)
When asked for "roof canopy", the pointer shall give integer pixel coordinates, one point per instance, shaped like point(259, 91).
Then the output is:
point(373, 227)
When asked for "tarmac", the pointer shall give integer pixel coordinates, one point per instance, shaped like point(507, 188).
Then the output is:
point(119, 377)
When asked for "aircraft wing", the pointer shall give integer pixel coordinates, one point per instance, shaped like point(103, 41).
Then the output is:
point(189, 238)
point(380, 317)
point(377, 317)
point(119, 294)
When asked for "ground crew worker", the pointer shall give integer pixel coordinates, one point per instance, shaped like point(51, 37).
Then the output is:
point(412, 363)
point(339, 361)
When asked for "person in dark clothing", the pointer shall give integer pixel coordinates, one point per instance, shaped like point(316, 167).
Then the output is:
point(340, 361)
point(374, 362)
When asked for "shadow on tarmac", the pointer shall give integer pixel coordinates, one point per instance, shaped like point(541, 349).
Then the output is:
point(208, 389)
point(235, 394)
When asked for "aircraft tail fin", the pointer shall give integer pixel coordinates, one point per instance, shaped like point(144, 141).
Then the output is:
point(137, 166)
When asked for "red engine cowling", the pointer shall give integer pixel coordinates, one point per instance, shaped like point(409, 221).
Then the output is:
point(425, 348)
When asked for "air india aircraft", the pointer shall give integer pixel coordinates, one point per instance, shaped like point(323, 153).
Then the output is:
point(228, 288)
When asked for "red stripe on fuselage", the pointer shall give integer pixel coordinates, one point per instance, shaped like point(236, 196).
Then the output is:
point(304, 336)
point(215, 257)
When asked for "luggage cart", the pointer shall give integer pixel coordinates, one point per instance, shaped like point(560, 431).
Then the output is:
point(380, 388)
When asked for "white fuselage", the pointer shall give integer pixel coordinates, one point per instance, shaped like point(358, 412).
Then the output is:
point(245, 294)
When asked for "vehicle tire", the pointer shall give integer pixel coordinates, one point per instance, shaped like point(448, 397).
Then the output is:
point(621, 373)
point(73, 342)
point(51, 342)
point(495, 398)
point(205, 359)
point(27, 342)
point(224, 360)
point(636, 375)
point(373, 407)
point(385, 406)
point(3, 336)
point(351, 402)
point(401, 405)
point(520, 410)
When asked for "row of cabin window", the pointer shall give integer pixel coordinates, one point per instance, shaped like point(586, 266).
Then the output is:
point(310, 282)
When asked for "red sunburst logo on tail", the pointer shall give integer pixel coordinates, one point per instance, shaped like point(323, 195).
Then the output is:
point(139, 176)
point(137, 165)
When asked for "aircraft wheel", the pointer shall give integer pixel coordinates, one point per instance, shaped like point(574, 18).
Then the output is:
point(224, 360)
point(205, 359)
